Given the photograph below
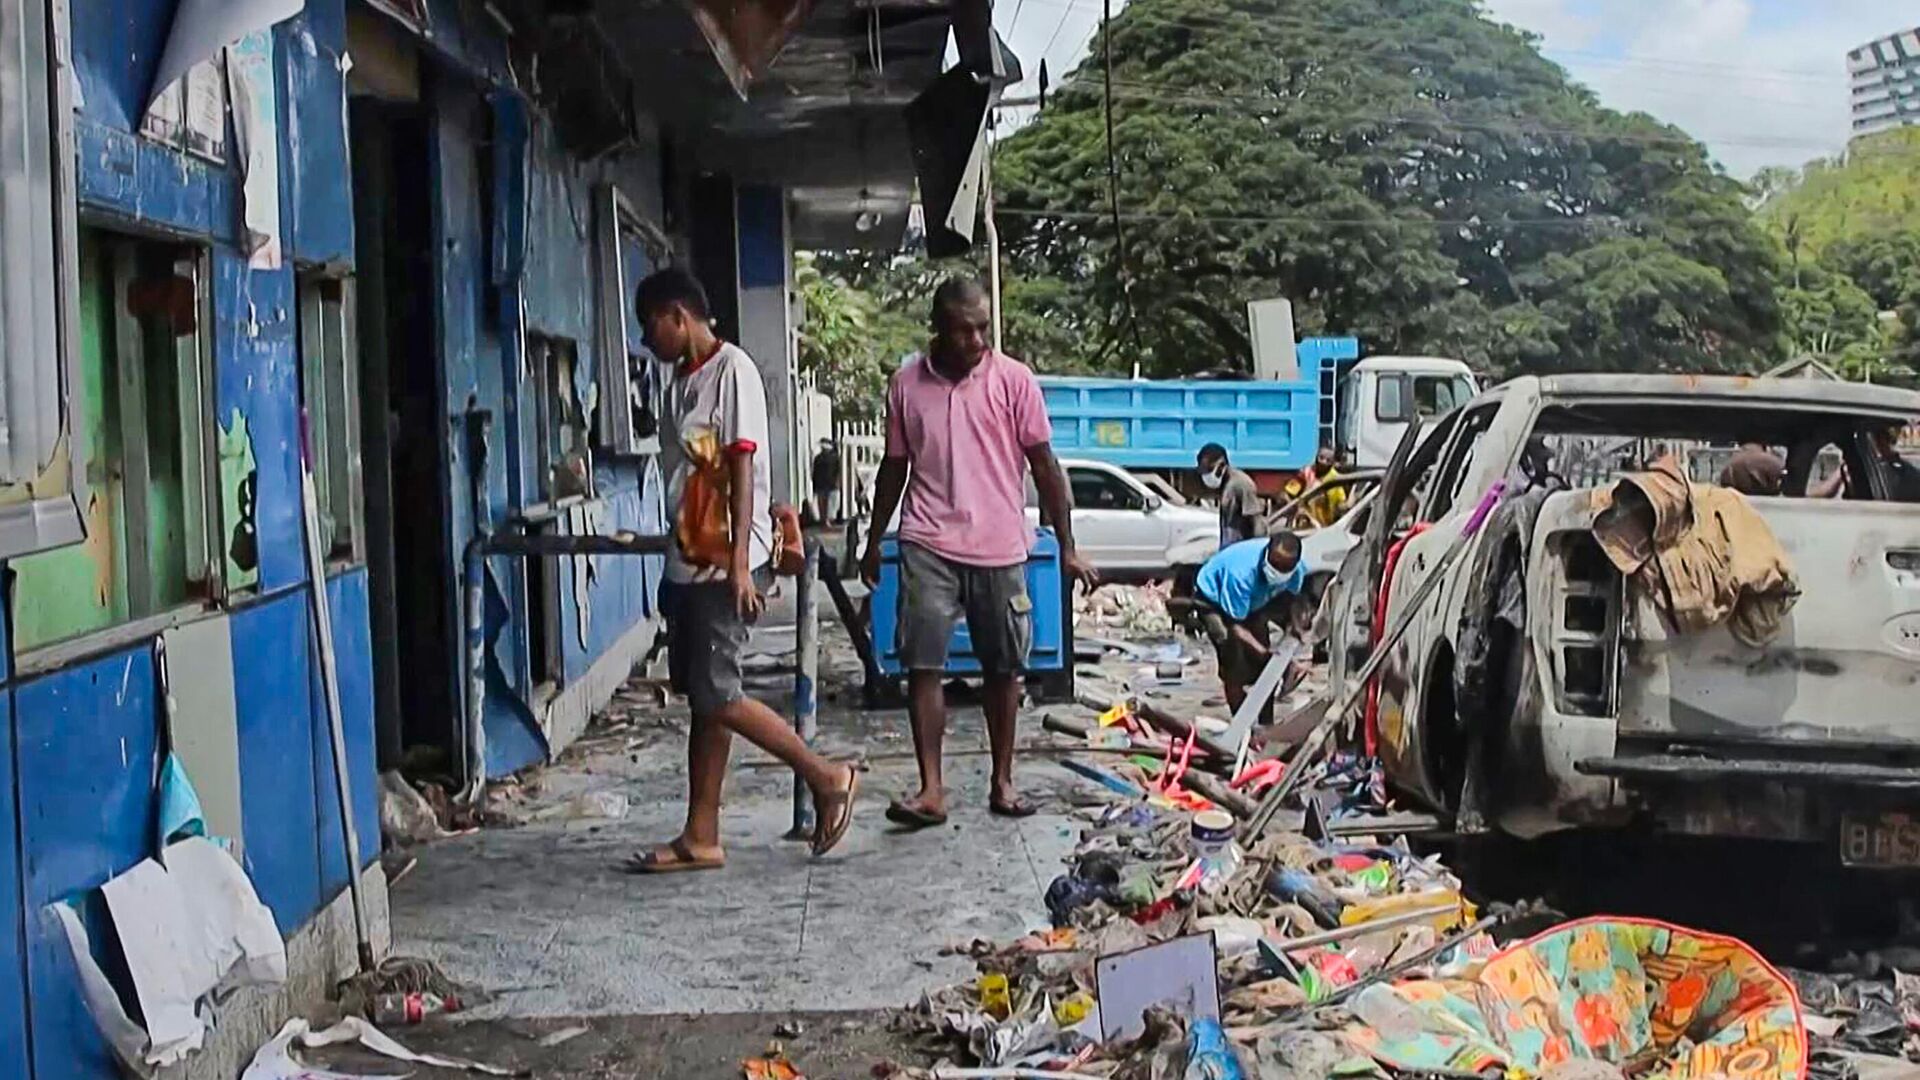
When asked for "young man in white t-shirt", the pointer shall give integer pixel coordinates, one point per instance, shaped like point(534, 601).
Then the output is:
point(713, 451)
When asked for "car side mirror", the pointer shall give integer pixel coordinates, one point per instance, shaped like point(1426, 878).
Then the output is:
point(1154, 503)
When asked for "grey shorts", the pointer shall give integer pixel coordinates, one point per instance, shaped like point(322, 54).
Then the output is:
point(705, 639)
point(935, 592)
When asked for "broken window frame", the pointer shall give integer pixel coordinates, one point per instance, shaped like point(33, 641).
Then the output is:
point(40, 503)
point(627, 382)
point(558, 435)
point(127, 379)
point(330, 396)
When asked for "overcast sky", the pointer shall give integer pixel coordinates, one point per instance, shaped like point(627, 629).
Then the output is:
point(1762, 82)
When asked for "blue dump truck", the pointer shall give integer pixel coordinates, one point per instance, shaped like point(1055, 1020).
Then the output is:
point(1270, 427)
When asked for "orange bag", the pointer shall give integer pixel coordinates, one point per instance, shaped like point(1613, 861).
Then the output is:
point(705, 526)
point(789, 544)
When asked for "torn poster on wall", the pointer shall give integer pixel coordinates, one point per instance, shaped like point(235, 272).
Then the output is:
point(256, 128)
point(191, 114)
point(202, 28)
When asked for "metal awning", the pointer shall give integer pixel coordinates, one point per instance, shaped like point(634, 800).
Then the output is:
point(826, 121)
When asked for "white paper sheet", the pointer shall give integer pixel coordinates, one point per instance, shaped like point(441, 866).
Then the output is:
point(188, 927)
point(201, 28)
point(275, 1060)
point(1181, 975)
point(256, 129)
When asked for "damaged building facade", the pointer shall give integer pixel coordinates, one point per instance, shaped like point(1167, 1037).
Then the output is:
point(402, 234)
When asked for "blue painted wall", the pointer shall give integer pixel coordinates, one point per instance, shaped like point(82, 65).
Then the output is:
point(83, 743)
point(87, 742)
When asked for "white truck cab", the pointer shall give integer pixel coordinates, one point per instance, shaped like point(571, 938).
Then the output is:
point(1381, 395)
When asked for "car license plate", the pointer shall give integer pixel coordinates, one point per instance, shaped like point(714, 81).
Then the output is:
point(1888, 840)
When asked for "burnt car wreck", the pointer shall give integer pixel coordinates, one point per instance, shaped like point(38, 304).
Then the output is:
point(1626, 642)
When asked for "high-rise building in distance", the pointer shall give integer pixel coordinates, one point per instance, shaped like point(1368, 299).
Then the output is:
point(1886, 83)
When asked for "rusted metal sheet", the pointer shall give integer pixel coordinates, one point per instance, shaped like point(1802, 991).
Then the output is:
point(746, 35)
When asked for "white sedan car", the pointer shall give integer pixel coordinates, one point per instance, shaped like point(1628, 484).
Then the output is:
point(1129, 531)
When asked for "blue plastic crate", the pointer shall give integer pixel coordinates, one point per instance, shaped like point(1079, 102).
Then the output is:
point(1051, 642)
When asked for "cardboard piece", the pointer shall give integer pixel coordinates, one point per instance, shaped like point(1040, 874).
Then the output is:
point(1181, 975)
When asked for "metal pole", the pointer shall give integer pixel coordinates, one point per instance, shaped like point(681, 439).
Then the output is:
point(479, 423)
point(993, 243)
point(806, 703)
point(322, 618)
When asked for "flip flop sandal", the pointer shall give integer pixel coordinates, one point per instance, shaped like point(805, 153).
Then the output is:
point(827, 835)
point(901, 812)
point(683, 860)
point(1018, 808)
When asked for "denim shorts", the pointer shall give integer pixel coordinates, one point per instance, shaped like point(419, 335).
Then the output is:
point(705, 639)
point(935, 592)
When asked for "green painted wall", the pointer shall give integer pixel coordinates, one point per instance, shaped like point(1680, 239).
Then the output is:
point(73, 590)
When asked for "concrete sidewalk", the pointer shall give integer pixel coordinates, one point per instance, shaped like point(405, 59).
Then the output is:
point(541, 916)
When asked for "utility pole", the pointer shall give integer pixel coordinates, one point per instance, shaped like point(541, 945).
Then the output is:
point(993, 241)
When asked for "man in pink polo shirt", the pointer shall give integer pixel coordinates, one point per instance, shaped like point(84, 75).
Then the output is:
point(964, 425)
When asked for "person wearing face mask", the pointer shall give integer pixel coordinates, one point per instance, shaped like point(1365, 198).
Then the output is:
point(1242, 514)
point(1245, 585)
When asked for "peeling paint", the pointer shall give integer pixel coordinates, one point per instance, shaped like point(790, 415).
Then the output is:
point(239, 498)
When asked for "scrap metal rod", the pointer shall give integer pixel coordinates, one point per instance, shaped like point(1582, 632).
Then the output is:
point(1316, 742)
point(321, 613)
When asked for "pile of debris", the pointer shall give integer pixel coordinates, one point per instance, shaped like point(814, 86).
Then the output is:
point(1201, 935)
point(1135, 610)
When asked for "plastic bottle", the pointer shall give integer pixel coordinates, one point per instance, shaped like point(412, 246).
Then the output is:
point(409, 1009)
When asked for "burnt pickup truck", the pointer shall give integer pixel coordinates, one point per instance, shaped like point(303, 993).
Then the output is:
point(1537, 691)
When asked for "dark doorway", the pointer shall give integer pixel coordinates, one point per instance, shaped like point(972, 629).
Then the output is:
point(410, 570)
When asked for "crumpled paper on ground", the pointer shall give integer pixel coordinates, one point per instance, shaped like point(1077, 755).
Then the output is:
point(275, 1060)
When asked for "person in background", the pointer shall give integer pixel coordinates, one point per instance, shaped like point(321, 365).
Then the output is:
point(714, 435)
point(1754, 469)
point(1245, 586)
point(826, 483)
point(1243, 515)
point(965, 424)
point(1326, 507)
point(1903, 478)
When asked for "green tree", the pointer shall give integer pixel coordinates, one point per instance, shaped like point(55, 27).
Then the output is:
point(849, 343)
point(1831, 317)
point(1885, 264)
point(1407, 171)
point(1873, 190)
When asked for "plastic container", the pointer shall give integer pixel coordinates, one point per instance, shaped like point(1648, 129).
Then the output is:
point(1451, 911)
point(1051, 644)
point(1211, 832)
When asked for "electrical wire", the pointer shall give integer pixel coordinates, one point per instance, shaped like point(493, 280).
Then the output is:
point(1168, 92)
point(1613, 221)
point(1292, 21)
point(1113, 180)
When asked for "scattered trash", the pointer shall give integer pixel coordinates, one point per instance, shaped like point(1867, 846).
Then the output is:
point(411, 1009)
point(400, 978)
point(406, 817)
point(275, 1060)
point(789, 1029)
point(588, 806)
point(1139, 610)
point(191, 928)
point(564, 1035)
point(775, 1067)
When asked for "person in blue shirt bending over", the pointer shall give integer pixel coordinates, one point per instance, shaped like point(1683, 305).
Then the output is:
point(1247, 586)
